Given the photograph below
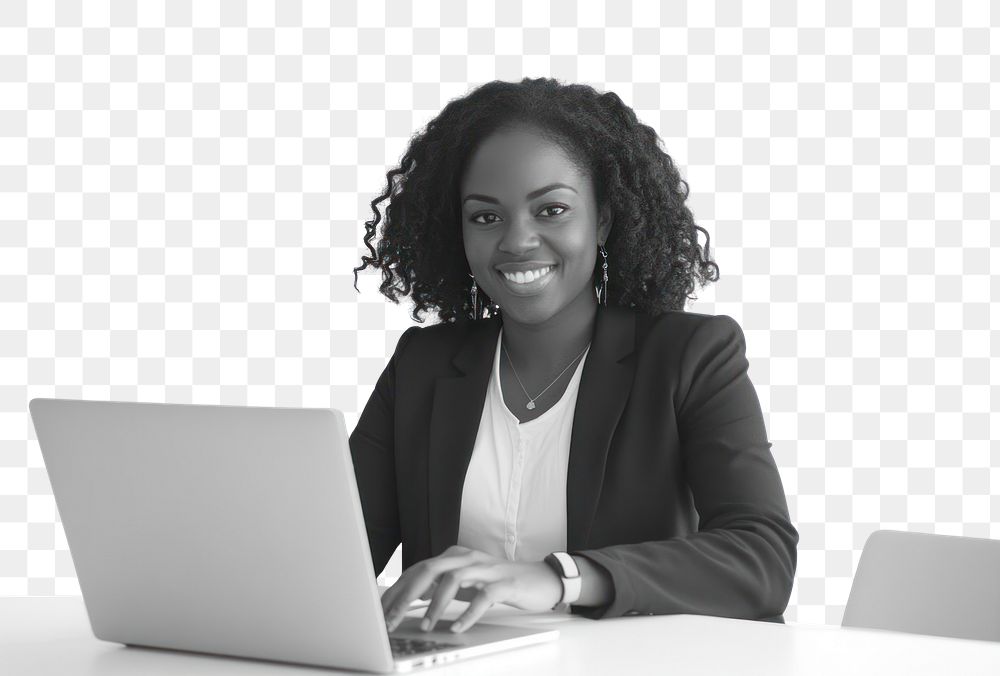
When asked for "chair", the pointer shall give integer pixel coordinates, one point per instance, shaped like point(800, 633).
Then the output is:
point(922, 583)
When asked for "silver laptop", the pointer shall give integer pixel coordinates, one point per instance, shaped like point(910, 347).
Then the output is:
point(231, 530)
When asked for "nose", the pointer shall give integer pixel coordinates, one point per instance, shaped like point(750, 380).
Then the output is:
point(519, 236)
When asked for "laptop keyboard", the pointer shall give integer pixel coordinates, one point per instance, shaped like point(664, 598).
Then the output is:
point(413, 646)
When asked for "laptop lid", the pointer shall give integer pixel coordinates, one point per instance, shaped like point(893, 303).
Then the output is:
point(234, 530)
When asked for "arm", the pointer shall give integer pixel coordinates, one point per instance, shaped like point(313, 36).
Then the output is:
point(741, 562)
point(596, 586)
point(373, 453)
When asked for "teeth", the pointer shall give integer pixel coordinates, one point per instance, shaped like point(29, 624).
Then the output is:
point(526, 277)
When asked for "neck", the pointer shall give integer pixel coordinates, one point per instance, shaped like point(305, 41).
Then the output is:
point(545, 347)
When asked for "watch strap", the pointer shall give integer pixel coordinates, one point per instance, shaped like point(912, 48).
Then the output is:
point(569, 573)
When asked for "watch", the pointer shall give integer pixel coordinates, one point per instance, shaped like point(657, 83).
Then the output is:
point(569, 573)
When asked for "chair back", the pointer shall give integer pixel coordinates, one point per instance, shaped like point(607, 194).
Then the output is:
point(923, 583)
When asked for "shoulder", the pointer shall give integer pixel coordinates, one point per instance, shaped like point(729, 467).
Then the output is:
point(427, 340)
point(440, 331)
point(681, 329)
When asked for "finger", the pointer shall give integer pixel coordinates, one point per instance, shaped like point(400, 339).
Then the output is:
point(491, 593)
point(448, 586)
point(454, 550)
point(393, 591)
point(391, 595)
point(421, 583)
point(426, 572)
point(426, 596)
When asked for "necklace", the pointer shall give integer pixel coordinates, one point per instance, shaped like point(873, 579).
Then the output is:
point(531, 400)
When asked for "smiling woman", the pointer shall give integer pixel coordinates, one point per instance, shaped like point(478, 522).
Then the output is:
point(587, 443)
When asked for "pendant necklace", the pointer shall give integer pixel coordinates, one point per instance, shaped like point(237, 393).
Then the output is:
point(531, 400)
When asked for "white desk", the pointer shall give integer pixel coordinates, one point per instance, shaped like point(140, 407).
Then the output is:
point(51, 635)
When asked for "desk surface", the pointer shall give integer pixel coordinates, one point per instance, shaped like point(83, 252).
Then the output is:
point(51, 635)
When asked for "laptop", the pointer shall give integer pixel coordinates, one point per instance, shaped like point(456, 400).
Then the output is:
point(231, 530)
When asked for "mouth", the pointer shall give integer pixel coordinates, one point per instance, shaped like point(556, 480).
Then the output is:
point(528, 288)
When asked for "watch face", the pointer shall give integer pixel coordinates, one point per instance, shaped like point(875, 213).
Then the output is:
point(567, 564)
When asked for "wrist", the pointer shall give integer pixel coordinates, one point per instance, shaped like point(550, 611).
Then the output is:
point(597, 588)
point(555, 586)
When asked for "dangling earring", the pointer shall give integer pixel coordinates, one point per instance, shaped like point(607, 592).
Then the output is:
point(602, 287)
point(477, 313)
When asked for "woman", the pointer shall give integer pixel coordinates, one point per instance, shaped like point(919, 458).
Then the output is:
point(586, 416)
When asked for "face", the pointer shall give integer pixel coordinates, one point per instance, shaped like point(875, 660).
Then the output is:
point(526, 206)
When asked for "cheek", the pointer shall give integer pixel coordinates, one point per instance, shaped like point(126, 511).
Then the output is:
point(477, 251)
point(584, 260)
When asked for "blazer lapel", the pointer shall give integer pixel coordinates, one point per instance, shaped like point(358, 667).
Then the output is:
point(457, 409)
point(455, 415)
point(604, 387)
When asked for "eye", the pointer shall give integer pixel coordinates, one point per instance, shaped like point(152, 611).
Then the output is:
point(485, 213)
point(544, 209)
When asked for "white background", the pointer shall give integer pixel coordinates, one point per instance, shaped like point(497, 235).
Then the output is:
point(183, 187)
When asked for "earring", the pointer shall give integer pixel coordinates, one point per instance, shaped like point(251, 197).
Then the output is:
point(602, 287)
point(477, 313)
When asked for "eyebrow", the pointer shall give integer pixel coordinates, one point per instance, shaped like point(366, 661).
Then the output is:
point(530, 196)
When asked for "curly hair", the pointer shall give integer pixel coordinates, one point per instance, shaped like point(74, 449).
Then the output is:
point(653, 252)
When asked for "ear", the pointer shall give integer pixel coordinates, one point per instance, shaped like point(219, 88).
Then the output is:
point(604, 223)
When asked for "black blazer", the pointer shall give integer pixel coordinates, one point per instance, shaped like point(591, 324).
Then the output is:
point(671, 485)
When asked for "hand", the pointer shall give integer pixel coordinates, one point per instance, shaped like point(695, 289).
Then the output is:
point(474, 576)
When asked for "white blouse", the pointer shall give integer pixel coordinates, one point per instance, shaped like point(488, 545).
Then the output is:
point(514, 496)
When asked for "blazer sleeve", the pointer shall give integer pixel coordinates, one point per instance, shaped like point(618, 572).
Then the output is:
point(741, 561)
point(373, 452)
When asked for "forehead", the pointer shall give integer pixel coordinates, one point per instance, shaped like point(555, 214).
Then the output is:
point(511, 163)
